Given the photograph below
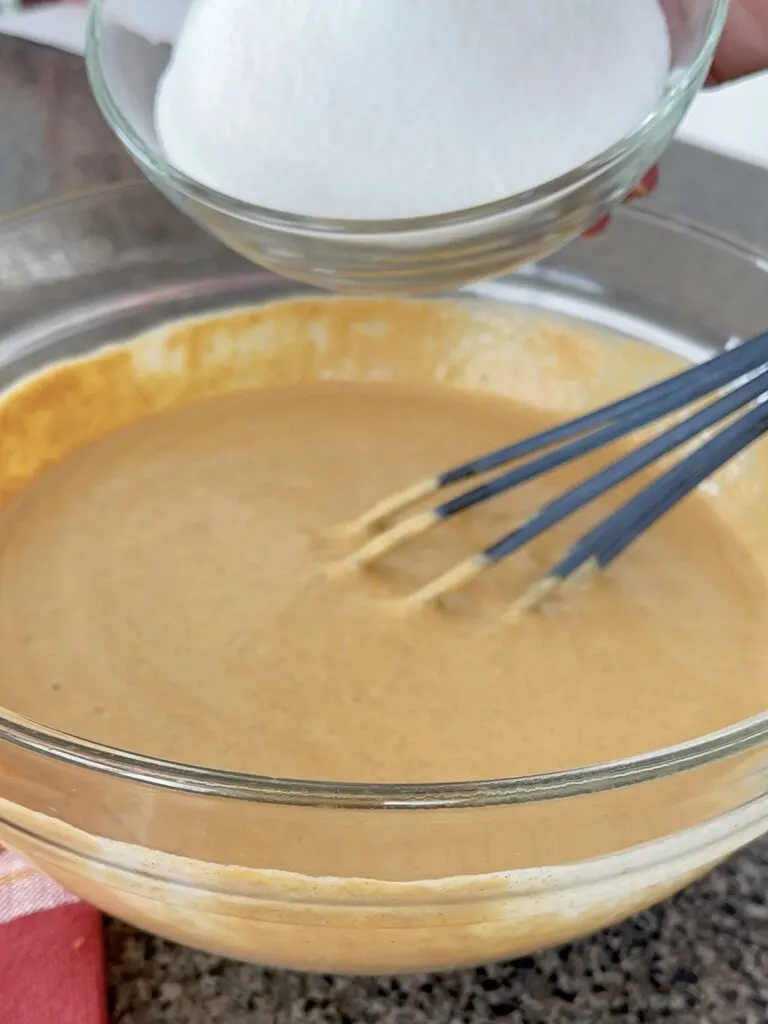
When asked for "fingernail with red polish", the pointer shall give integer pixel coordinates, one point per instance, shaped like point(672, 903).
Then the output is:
point(598, 228)
point(647, 185)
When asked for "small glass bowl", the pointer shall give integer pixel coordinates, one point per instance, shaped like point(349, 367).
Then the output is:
point(404, 256)
point(239, 873)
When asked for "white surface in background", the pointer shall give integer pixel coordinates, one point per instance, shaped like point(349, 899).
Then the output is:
point(63, 24)
point(732, 120)
point(59, 25)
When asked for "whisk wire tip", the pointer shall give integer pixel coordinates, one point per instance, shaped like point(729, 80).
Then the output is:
point(398, 534)
point(455, 579)
point(395, 503)
point(532, 599)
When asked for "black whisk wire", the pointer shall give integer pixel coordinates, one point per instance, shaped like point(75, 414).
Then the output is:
point(626, 467)
point(649, 411)
point(615, 534)
point(700, 380)
point(740, 376)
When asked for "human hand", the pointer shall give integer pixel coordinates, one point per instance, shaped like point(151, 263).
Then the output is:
point(743, 51)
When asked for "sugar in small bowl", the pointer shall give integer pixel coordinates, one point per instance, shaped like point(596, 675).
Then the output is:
point(398, 146)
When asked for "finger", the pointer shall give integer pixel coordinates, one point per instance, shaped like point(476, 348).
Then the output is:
point(647, 184)
point(743, 49)
point(599, 228)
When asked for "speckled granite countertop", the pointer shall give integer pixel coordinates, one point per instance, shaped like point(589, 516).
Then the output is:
point(702, 958)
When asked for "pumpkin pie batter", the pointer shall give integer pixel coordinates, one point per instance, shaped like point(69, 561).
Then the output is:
point(169, 553)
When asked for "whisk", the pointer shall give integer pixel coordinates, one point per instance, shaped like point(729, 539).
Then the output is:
point(739, 375)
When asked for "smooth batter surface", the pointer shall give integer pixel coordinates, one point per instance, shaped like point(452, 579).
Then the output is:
point(164, 588)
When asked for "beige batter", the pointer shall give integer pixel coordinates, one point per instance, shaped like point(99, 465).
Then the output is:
point(169, 553)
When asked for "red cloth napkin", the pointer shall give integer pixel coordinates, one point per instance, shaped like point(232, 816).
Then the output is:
point(51, 951)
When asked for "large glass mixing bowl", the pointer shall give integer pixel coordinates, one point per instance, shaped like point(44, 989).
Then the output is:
point(126, 58)
point(240, 872)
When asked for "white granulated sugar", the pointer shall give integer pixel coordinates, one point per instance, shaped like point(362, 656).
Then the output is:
point(380, 109)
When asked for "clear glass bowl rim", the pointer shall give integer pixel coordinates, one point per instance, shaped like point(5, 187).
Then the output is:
point(155, 163)
point(740, 738)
